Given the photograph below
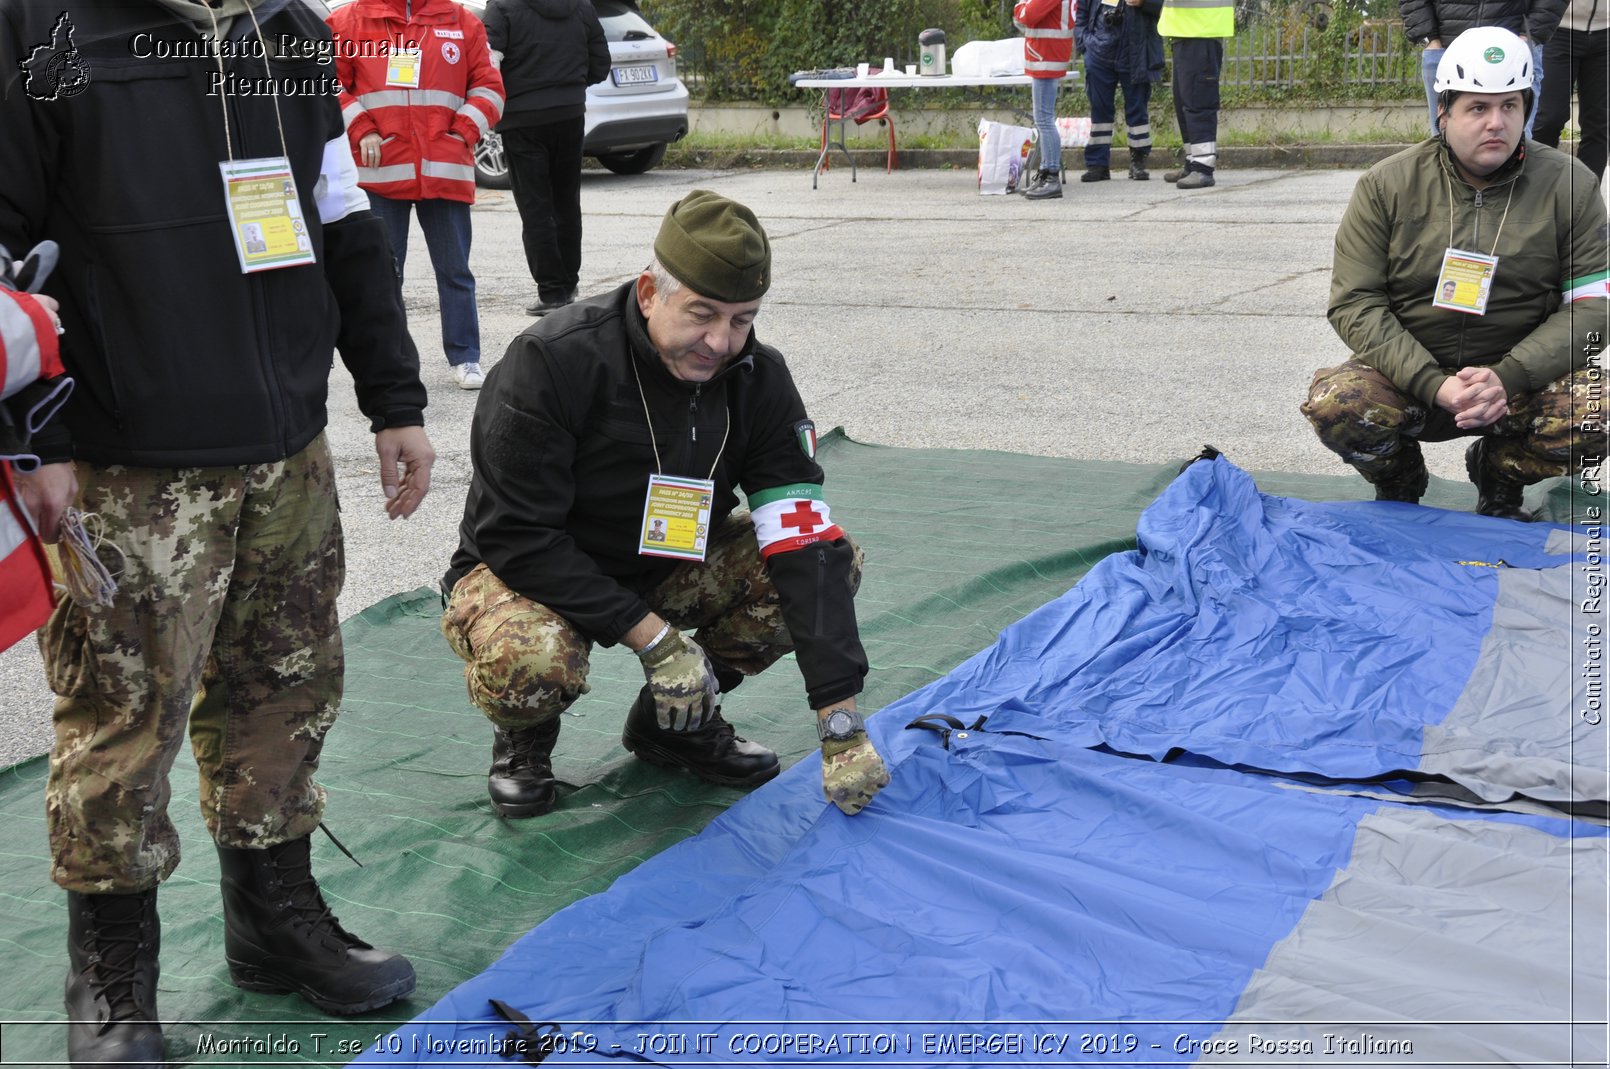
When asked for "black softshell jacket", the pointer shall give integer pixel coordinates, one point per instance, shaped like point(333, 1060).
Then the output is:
point(552, 51)
point(1447, 19)
point(562, 454)
point(180, 359)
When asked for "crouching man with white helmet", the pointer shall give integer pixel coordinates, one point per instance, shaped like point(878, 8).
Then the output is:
point(1470, 282)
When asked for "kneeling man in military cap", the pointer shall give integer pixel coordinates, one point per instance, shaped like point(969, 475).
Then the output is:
point(607, 448)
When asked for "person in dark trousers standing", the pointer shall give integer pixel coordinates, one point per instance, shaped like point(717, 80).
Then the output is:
point(1122, 48)
point(551, 51)
point(1196, 30)
point(1578, 57)
point(1433, 23)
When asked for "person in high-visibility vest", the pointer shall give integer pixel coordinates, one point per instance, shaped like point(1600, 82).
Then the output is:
point(1196, 30)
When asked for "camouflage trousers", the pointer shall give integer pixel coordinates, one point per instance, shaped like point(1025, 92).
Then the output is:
point(1377, 428)
point(527, 664)
point(224, 622)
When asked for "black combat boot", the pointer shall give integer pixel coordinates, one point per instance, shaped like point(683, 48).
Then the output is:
point(715, 752)
point(521, 781)
point(1495, 495)
point(112, 945)
point(1409, 486)
point(1095, 174)
point(280, 937)
point(1137, 165)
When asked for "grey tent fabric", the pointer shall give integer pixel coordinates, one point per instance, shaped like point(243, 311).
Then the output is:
point(1511, 733)
point(1488, 923)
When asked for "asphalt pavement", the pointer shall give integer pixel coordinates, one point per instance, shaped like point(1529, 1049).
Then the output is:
point(1127, 321)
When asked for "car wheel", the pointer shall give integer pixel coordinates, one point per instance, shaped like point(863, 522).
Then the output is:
point(491, 165)
point(633, 162)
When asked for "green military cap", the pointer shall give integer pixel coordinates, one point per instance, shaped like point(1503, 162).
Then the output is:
point(715, 247)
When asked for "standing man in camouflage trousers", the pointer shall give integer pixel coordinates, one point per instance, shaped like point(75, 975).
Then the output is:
point(1470, 282)
point(196, 434)
point(607, 448)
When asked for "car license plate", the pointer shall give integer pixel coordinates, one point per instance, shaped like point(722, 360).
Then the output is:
point(640, 75)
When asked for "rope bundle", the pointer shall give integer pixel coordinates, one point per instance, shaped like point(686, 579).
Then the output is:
point(86, 580)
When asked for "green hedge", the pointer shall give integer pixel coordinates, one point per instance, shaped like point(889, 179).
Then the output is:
point(746, 49)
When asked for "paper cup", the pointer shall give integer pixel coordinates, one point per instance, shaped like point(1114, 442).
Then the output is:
point(862, 69)
point(911, 70)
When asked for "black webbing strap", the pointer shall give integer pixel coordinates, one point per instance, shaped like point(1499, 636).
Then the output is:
point(528, 1041)
point(943, 725)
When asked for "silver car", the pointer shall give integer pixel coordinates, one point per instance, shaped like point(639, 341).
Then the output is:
point(631, 115)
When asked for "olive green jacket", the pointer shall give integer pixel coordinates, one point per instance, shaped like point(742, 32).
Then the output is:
point(1389, 251)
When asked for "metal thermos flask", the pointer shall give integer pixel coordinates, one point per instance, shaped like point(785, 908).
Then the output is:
point(931, 49)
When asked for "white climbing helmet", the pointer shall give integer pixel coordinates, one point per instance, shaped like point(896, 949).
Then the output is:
point(1485, 59)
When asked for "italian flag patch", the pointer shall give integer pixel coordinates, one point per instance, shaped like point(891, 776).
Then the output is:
point(791, 517)
point(805, 432)
point(1580, 289)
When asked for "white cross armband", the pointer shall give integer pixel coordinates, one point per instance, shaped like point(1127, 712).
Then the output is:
point(791, 517)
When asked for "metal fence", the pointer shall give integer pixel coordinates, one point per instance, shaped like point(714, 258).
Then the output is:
point(1287, 53)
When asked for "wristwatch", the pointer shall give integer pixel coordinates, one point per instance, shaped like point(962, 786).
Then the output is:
point(840, 725)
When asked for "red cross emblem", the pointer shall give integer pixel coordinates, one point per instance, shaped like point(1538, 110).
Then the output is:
point(802, 519)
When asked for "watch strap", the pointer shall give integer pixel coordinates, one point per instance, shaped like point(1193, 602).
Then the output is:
point(822, 734)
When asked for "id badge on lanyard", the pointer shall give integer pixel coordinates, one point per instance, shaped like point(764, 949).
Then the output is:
point(402, 69)
point(676, 517)
point(1465, 281)
point(265, 214)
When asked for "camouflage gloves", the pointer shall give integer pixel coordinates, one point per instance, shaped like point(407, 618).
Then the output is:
point(852, 772)
point(680, 679)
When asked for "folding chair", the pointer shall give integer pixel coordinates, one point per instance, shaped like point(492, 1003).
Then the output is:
point(860, 105)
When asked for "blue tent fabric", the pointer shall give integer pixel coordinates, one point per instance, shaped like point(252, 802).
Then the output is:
point(1046, 888)
point(1277, 634)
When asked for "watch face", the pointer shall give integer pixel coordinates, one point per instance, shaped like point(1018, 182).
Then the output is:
point(841, 725)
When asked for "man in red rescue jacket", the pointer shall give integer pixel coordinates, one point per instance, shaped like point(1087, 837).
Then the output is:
point(33, 379)
point(419, 91)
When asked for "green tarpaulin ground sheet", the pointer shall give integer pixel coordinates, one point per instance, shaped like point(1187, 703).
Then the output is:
point(958, 545)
